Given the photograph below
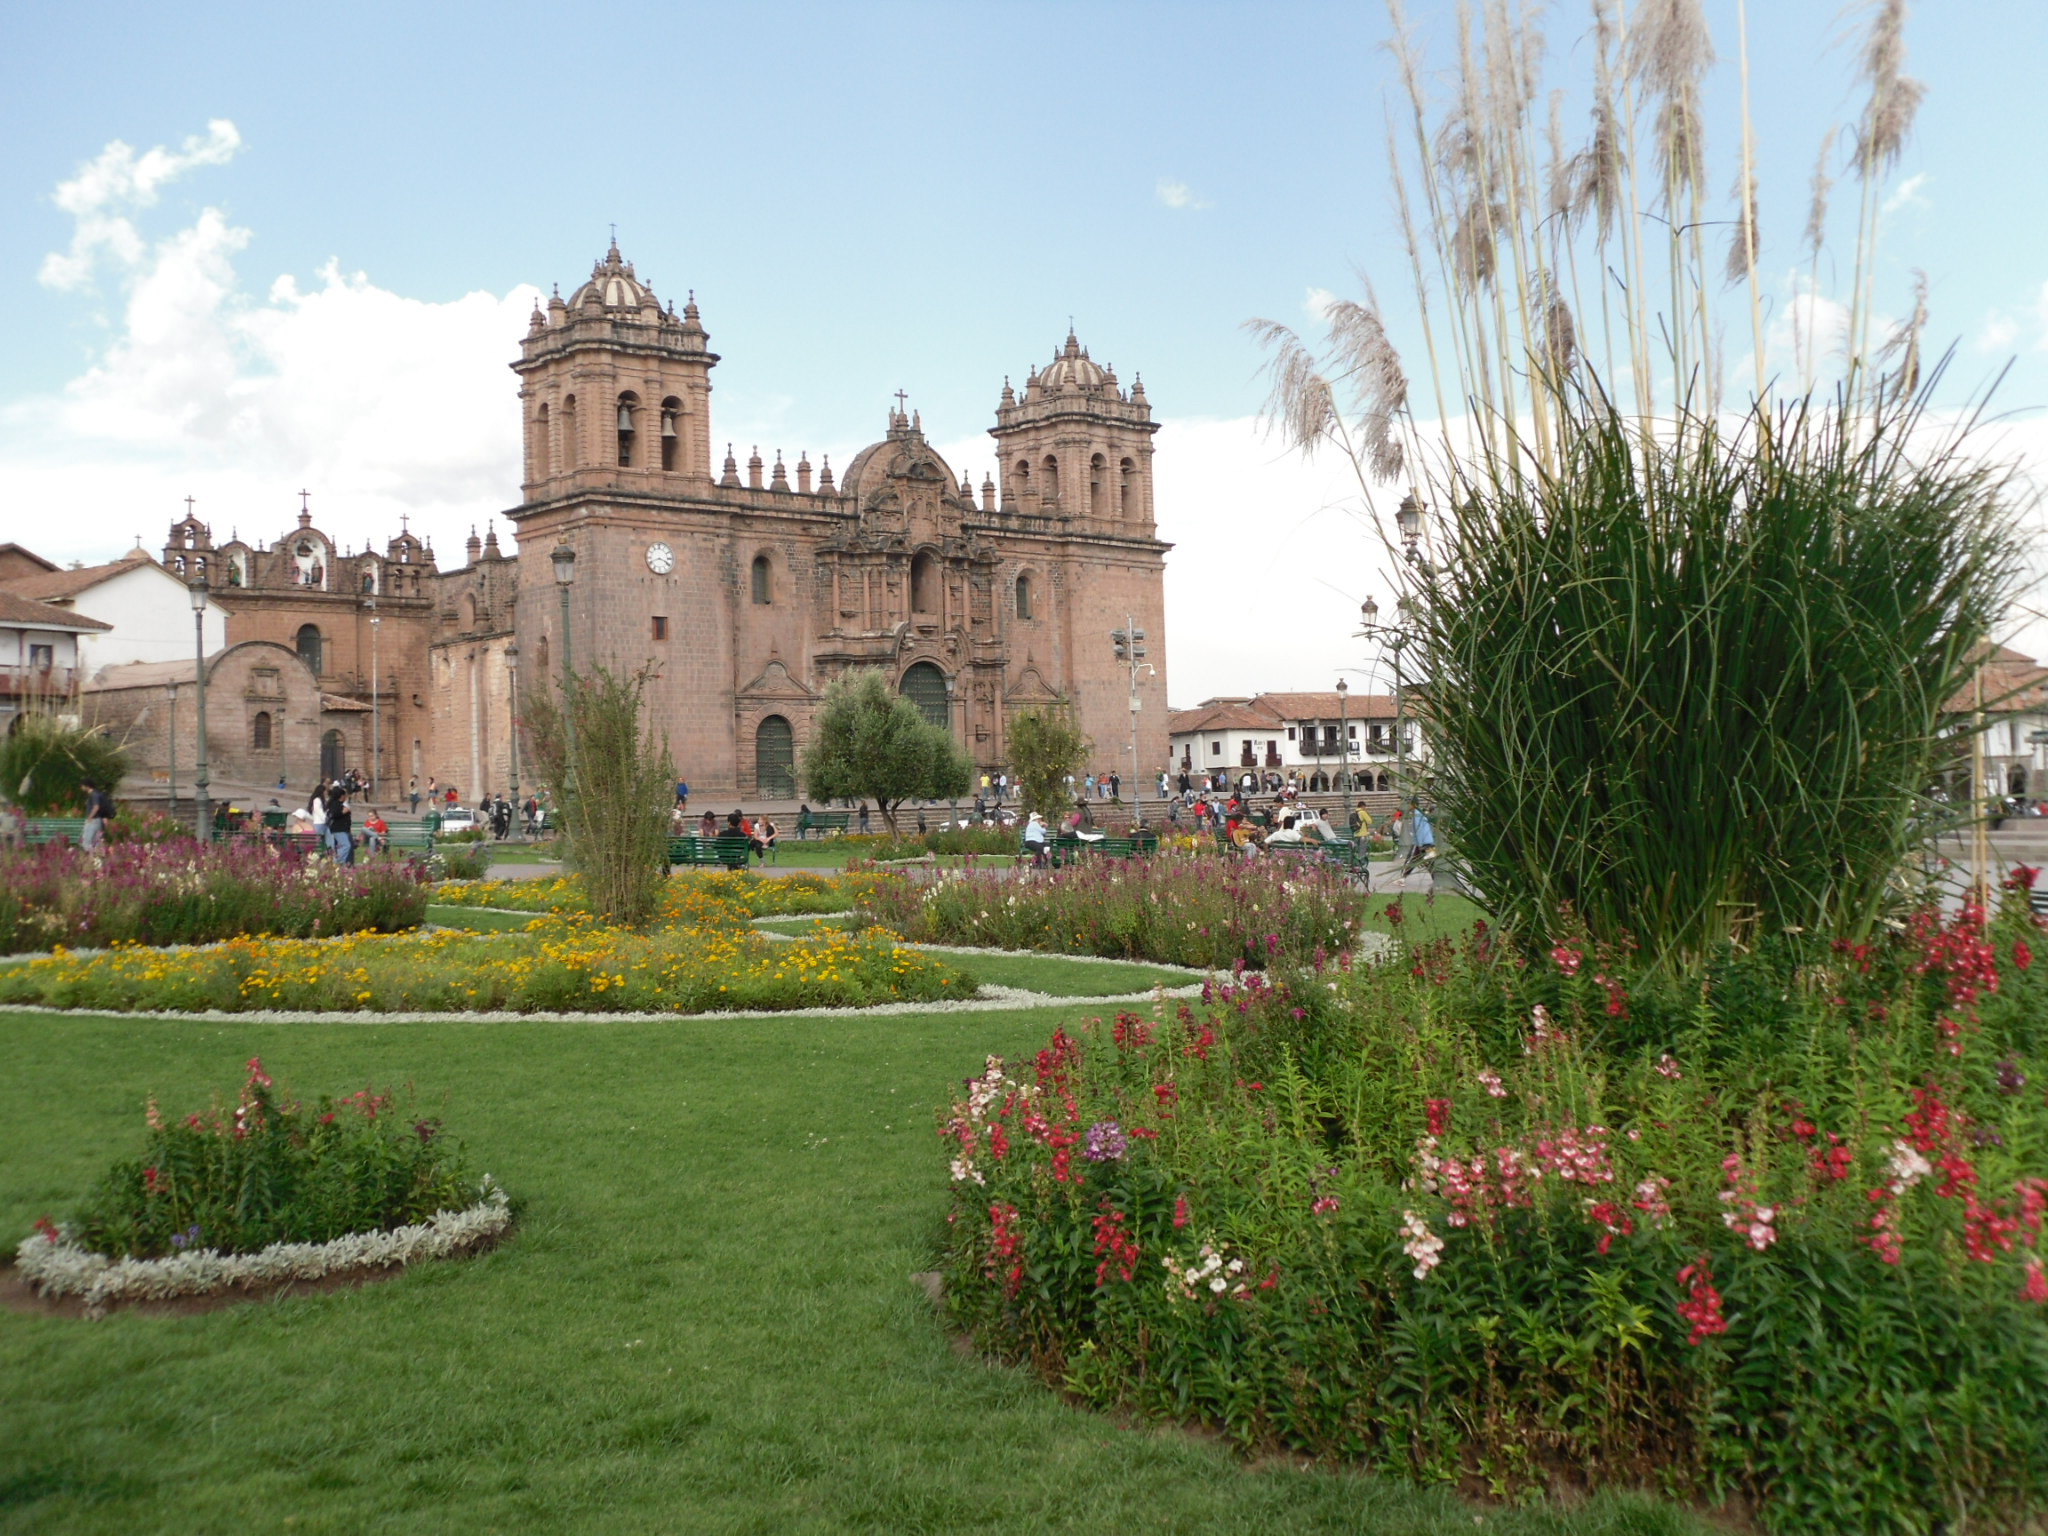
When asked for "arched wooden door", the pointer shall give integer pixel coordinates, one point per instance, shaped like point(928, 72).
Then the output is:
point(775, 759)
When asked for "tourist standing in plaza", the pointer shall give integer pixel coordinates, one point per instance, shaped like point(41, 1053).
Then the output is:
point(341, 835)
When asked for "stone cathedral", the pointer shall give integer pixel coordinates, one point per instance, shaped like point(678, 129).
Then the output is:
point(748, 591)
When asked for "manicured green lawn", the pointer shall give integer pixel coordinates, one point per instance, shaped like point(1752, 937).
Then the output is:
point(1425, 916)
point(706, 1322)
point(479, 922)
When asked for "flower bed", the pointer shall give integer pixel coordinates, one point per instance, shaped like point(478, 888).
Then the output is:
point(182, 893)
point(1504, 1224)
point(687, 898)
point(1175, 911)
point(271, 1189)
point(557, 965)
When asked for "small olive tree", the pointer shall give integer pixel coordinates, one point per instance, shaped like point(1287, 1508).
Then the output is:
point(614, 788)
point(870, 743)
point(1047, 746)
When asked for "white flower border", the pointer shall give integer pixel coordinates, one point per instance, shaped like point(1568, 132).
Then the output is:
point(62, 1268)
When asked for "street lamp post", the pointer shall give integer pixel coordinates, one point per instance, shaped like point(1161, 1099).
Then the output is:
point(1344, 746)
point(1130, 648)
point(376, 706)
point(1396, 637)
point(564, 561)
point(171, 691)
point(202, 812)
point(512, 687)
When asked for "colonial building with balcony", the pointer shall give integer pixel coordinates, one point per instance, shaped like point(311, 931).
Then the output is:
point(39, 666)
point(1306, 738)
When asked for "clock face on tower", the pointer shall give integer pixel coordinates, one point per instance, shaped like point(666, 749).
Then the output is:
point(660, 559)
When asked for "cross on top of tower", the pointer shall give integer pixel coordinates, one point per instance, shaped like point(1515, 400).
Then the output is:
point(304, 497)
point(902, 398)
point(188, 506)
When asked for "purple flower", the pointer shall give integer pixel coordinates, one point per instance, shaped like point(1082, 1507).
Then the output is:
point(1106, 1143)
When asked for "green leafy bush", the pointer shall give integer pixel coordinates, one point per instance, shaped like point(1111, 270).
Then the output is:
point(1476, 1218)
point(272, 1170)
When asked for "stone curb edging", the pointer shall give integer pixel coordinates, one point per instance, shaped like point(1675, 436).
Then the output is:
point(62, 1268)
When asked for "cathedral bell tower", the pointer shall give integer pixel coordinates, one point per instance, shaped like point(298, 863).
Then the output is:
point(615, 390)
point(1077, 447)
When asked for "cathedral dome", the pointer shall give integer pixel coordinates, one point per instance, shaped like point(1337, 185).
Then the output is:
point(613, 282)
point(902, 455)
point(1070, 368)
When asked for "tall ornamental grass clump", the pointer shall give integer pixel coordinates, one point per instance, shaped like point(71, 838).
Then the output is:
point(1694, 688)
point(1776, 1239)
point(1176, 911)
point(617, 788)
point(178, 892)
point(1686, 619)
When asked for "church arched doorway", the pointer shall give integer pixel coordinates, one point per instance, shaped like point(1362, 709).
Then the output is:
point(925, 686)
point(332, 756)
point(775, 759)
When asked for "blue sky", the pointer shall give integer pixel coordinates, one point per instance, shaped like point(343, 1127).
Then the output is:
point(864, 198)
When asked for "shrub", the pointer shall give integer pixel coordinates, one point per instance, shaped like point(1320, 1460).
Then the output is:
point(687, 898)
point(616, 795)
point(555, 966)
point(1176, 911)
point(273, 1170)
point(1471, 1219)
point(43, 763)
point(178, 892)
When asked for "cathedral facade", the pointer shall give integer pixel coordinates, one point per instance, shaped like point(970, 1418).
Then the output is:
point(745, 595)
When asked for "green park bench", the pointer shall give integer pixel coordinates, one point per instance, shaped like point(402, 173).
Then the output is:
point(731, 851)
point(830, 823)
point(37, 830)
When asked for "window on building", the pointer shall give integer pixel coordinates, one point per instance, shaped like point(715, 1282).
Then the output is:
point(627, 404)
point(1049, 483)
point(1351, 732)
point(764, 591)
point(1290, 733)
point(543, 450)
point(570, 450)
point(1023, 595)
point(671, 433)
point(309, 647)
point(1330, 737)
point(924, 584)
point(925, 686)
point(1098, 490)
point(1127, 489)
point(1215, 749)
point(42, 658)
point(660, 622)
point(259, 731)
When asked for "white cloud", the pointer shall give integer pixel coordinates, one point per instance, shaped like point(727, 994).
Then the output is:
point(1271, 557)
point(380, 404)
point(1317, 302)
point(1998, 334)
point(116, 183)
point(1907, 195)
point(1178, 194)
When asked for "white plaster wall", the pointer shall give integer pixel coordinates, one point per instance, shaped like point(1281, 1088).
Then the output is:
point(151, 611)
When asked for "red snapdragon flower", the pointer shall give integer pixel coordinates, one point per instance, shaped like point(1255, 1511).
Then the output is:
point(1702, 1305)
point(1438, 1113)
